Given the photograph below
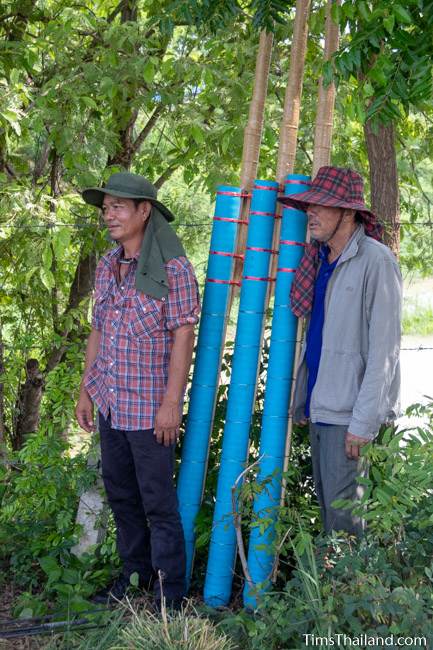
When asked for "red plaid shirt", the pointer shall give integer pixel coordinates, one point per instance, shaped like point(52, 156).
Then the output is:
point(129, 375)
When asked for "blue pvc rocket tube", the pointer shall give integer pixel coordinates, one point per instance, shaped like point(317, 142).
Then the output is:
point(246, 356)
point(277, 395)
point(195, 447)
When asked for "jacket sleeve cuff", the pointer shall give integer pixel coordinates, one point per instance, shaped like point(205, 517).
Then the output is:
point(363, 429)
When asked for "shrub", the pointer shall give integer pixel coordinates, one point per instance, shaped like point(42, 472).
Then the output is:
point(40, 493)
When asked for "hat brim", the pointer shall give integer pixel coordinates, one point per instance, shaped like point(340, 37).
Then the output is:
point(302, 200)
point(95, 196)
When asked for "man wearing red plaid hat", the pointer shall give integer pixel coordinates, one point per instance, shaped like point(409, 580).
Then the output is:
point(348, 286)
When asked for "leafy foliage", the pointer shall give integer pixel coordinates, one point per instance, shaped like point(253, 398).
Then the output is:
point(388, 53)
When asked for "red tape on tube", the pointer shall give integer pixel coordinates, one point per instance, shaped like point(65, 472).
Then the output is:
point(224, 254)
point(290, 181)
point(269, 188)
point(264, 214)
point(242, 194)
point(288, 242)
point(214, 280)
point(264, 250)
point(231, 220)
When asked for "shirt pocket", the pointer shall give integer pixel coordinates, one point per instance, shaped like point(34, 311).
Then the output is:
point(145, 317)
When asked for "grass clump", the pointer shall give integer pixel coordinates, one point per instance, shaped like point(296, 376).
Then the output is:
point(183, 630)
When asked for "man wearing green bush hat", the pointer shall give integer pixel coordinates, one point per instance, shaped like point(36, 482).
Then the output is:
point(139, 351)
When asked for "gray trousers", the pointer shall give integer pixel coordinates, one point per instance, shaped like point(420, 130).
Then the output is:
point(335, 477)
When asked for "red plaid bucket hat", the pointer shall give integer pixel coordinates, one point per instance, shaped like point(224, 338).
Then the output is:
point(336, 187)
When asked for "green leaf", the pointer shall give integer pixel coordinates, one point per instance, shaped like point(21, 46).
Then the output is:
point(148, 72)
point(197, 134)
point(377, 74)
point(50, 566)
point(402, 14)
point(364, 11)
point(389, 23)
point(70, 576)
point(47, 257)
point(368, 89)
point(27, 612)
point(61, 241)
point(134, 579)
point(47, 278)
point(29, 274)
point(88, 101)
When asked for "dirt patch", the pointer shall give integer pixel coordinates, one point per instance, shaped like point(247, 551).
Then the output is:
point(8, 595)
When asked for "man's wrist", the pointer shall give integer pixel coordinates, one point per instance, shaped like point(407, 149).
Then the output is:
point(83, 391)
point(169, 400)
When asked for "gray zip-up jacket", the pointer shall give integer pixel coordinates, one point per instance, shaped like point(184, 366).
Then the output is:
point(358, 383)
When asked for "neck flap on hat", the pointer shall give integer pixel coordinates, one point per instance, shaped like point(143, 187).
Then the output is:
point(160, 244)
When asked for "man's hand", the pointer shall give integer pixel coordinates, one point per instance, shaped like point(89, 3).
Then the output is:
point(84, 412)
point(353, 445)
point(167, 422)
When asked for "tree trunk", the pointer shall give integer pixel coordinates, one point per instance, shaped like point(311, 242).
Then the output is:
point(2, 412)
point(28, 404)
point(80, 288)
point(385, 202)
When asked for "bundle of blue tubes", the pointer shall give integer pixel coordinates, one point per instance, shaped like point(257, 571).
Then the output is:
point(243, 380)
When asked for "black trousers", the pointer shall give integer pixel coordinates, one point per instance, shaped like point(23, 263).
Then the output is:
point(138, 478)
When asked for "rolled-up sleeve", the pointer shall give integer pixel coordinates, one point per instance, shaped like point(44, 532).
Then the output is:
point(99, 294)
point(182, 306)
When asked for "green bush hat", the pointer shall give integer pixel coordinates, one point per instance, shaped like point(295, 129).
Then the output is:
point(127, 186)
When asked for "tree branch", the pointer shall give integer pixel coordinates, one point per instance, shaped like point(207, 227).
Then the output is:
point(165, 176)
point(147, 128)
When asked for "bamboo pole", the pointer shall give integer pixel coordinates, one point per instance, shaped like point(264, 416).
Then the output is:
point(252, 141)
point(291, 113)
point(292, 100)
point(326, 99)
point(321, 156)
point(286, 160)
